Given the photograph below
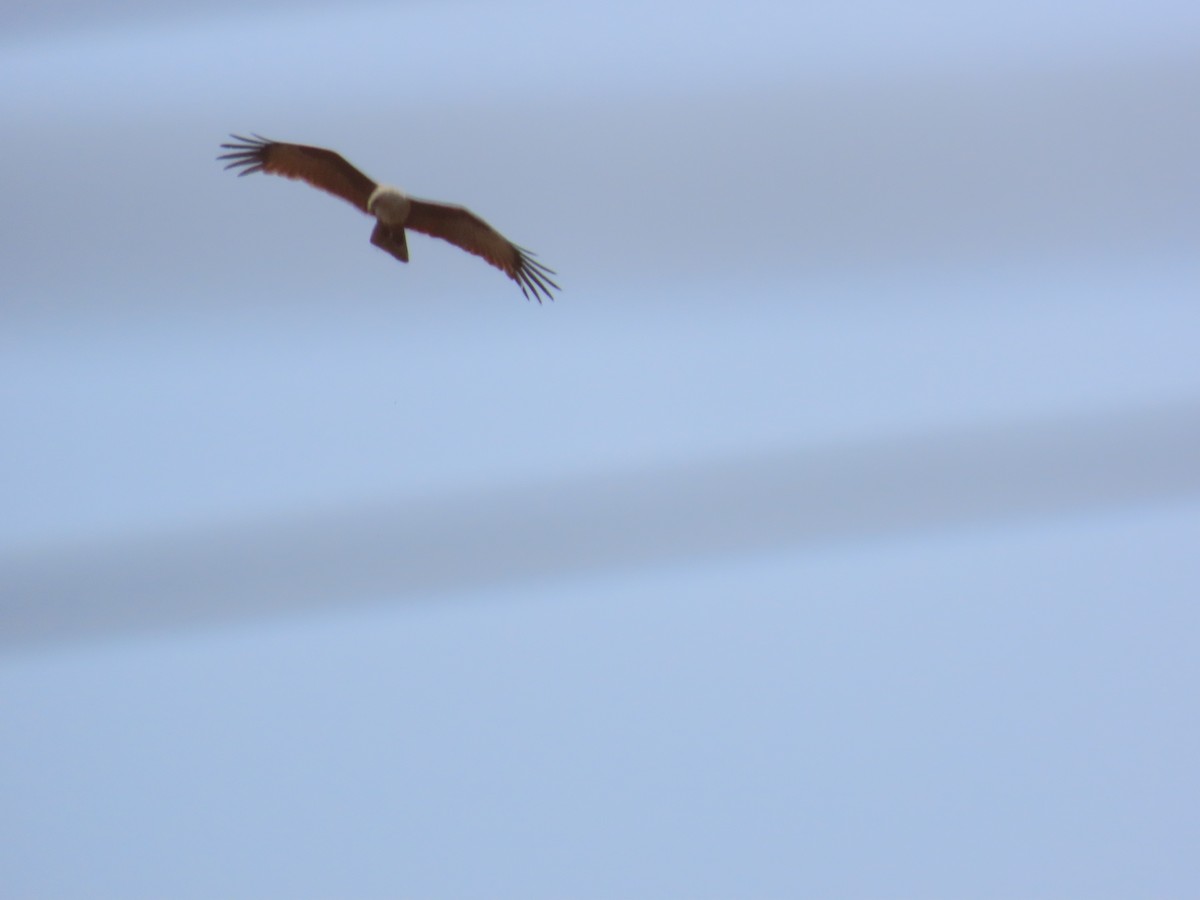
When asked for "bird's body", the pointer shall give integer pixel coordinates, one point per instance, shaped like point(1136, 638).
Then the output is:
point(394, 211)
point(391, 207)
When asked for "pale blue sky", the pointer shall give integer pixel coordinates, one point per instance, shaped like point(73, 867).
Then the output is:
point(832, 535)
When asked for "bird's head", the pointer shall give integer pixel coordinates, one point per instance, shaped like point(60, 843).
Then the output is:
point(389, 205)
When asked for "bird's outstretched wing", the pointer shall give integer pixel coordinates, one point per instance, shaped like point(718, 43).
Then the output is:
point(464, 229)
point(321, 168)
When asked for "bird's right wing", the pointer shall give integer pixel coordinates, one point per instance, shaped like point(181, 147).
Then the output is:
point(321, 168)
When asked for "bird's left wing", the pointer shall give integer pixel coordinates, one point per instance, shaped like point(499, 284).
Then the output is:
point(319, 167)
point(464, 229)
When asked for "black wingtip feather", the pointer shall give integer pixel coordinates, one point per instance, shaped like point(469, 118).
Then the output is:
point(246, 155)
point(534, 278)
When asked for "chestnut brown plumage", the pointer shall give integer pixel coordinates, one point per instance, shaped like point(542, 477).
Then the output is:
point(393, 210)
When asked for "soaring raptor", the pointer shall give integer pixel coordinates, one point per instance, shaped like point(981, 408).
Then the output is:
point(393, 210)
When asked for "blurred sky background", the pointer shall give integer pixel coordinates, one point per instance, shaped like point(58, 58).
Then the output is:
point(833, 534)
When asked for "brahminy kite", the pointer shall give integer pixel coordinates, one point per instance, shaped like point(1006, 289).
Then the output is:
point(393, 210)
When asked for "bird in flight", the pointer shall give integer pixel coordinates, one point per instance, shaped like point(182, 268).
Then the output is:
point(394, 211)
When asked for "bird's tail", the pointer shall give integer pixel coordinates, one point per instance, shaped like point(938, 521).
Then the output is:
point(391, 238)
